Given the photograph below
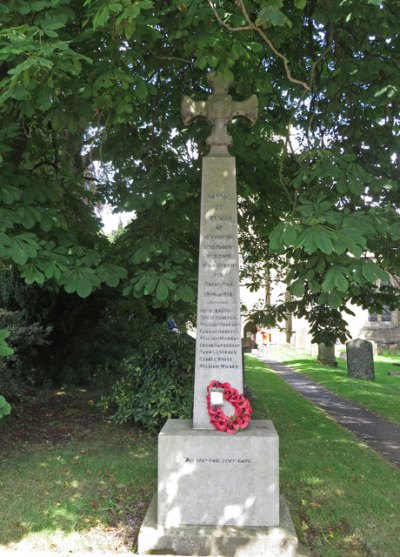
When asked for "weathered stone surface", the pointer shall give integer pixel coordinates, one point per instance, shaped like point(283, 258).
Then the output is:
point(213, 478)
point(360, 359)
point(326, 355)
point(229, 541)
point(219, 110)
point(218, 339)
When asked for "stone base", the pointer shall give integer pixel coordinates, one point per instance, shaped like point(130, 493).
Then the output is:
point(206, 477)
point(229, 541)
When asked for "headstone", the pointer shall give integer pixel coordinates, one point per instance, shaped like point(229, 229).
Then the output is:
point(326, 355)
point(211, 482)
point(360, 359)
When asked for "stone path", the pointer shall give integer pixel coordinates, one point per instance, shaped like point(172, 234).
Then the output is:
point(381, 435)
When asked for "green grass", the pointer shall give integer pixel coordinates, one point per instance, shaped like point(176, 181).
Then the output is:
point(382, 396)
point(89, 494)
point(344, 498)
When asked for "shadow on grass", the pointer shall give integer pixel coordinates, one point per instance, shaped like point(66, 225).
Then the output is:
point(97, 487)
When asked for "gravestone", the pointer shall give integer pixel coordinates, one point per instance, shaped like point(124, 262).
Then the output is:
point(326, 355)
point(218, 493)
point(360, 359)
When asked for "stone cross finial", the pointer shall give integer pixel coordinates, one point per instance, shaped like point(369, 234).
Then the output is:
point(219, 110)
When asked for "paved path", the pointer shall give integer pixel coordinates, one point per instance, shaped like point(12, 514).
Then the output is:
point(381, 435)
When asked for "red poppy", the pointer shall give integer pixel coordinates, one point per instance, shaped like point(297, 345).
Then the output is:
point(241, 417)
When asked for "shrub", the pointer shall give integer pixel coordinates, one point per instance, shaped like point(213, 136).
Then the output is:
point(19, 368)
point(157, 381)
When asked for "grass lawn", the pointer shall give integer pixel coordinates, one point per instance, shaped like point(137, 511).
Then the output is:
point(382, 396)
point(71, 482)
point(344, 498)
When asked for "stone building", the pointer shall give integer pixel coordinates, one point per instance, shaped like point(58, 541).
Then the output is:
point(382, 329)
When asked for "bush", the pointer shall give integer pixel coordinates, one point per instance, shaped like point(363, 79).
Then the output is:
point(19, 368)
point(157, 381)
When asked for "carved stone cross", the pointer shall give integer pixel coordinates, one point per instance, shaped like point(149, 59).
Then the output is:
point(219, 110)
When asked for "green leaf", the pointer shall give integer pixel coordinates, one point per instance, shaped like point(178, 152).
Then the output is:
point(22, 248)
point(112, 274)
point(372, 272)
point(162, 290)
point(140, 281)
point(101, 17)
point(307, 240)
point(150, 284)
point(31, 273)
point(272, 15)
point(276, 237)
point(341, 281)
point(5, 350)
point(300, 4)
point(289, 234)
point(5, 407)
point(9, 194)
point(185, 293)
point(323, 239)
point(79, 281)
point(141, 89)
point(329, 281)
point(297, 287)
point(51, 270)
point(334, 299)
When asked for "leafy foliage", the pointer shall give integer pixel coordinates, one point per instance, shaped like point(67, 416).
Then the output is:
point(25, 340)
point(5, 349)
point(5, 408)
point(89, 113)
point(61, 338)
point(156, 382)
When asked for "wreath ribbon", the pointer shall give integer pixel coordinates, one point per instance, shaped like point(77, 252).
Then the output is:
point(242, 415)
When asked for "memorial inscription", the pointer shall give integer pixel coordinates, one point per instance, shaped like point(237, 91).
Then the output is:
point(200, 460)
point(218, 343)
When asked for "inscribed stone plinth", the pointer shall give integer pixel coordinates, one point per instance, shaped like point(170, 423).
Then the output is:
point(211, 478)
point(360, 359)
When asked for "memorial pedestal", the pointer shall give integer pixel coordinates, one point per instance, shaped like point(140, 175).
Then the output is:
point(213, 478)
point(218, 494)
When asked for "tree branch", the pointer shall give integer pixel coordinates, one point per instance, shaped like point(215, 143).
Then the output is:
point(251, 26)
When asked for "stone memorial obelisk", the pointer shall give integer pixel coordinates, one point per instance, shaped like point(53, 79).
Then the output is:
point(218, 339)
point(218, 493)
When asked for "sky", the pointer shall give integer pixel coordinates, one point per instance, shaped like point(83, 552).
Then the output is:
point(111, 220)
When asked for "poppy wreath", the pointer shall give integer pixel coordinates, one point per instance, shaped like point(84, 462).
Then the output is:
point(230, 424)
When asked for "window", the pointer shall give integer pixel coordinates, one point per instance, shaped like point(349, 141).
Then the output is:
point(386, 313)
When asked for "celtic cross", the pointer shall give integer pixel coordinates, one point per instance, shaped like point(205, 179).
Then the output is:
point(219, 110)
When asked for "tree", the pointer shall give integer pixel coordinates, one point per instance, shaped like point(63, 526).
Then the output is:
point(90, 112)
